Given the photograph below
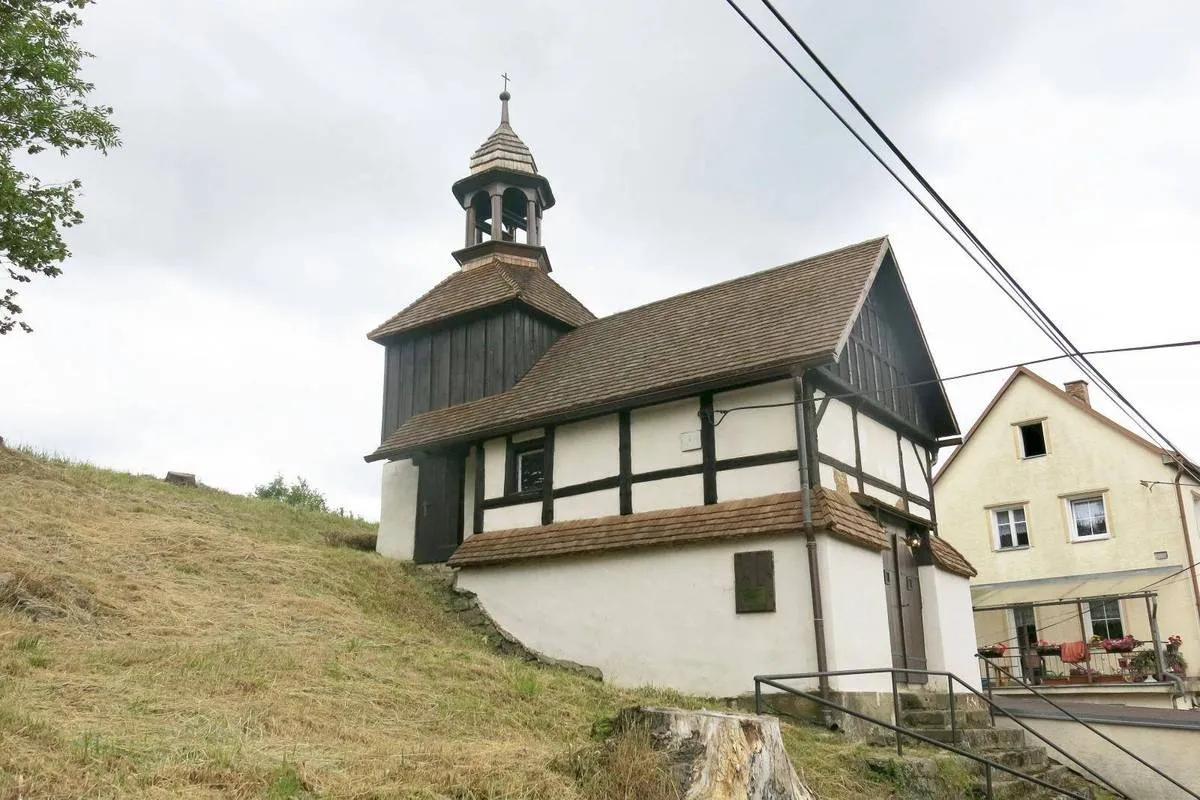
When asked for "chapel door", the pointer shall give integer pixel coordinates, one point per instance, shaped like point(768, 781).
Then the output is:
point(439, 508)
point(906, 625)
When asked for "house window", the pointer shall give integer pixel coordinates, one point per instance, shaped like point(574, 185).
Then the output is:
point(1088, 520)
point(530, 469)
point(1105, 617)
point(754, 581)
point(1033, 440)
point(1011, 529)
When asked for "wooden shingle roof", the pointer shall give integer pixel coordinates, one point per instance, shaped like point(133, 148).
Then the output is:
point(480, 287)
point(758, 326)
point(775, 514)
point(949, 559)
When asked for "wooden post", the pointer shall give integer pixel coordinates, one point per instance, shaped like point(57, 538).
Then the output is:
point(531, 231)
point(1152, 615)
point(1083, 632)
point(497, 216)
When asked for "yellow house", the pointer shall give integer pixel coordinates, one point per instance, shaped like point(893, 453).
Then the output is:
point(1052, 501)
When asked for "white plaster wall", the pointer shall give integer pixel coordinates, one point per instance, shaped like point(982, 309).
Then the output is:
point(654, 435)
point(914, 469)
point(1172, 751)
point(877, 444)
point(879, 494)
point(758, 430)
point(494, 453)
point(835, 433)
point(604, 503)
point(1085, 455)
point(525, 436)
point(949, 624)
point(398, 510)
point(686, 490)
point(469, 496)
point(522, 516)
point(660, 616)
point(586, 451)
point(855, 609)
point(918, 511)
point(736, 484)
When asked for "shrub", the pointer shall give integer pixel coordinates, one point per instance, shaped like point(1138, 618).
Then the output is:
point(298, 494)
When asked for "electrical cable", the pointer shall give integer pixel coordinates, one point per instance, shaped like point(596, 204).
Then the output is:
point(1015, 292)
point(1138, 348)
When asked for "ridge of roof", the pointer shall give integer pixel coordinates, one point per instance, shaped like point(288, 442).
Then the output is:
point(481, 287)
point(1026, 372)
point(759, 325)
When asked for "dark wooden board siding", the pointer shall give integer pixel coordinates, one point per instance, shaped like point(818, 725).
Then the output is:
point(478, 357)
point(458, 372)
point(884, 351)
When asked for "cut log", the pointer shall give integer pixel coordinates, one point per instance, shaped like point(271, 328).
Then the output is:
point(720, 756)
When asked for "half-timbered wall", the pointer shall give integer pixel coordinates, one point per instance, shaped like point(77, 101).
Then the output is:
point(655, 457)
point(467, 360)
point(859, 453)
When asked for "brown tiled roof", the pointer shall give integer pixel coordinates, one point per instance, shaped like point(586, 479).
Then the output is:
point(774, 514)
point(480, 287)
point(949, 559)
point(761, 324)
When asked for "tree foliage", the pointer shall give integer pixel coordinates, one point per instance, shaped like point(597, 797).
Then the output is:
point(298, 494)
point(43, 110)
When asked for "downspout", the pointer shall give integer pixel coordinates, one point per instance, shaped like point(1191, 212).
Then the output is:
point(802, 409)
point(1187, 540)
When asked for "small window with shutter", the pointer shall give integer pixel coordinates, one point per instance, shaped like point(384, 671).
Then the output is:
point(754, 581)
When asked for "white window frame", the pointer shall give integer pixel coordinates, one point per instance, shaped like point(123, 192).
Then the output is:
point(1021, 439)
point(995, 515)
point(1073, 529)
point(1087, 614)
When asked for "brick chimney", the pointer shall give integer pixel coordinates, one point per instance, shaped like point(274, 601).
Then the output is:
point(1078, 391)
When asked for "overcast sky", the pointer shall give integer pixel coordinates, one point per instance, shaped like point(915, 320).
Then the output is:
point(284, 186)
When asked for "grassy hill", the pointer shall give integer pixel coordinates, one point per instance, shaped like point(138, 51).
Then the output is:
point(163, 641)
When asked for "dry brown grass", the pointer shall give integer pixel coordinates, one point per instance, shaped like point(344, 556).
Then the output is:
point(199, 644)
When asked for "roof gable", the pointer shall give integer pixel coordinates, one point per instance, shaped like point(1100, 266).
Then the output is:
point(760, 325)
point(884, 351)
point(481, 287)
point(1082, 408)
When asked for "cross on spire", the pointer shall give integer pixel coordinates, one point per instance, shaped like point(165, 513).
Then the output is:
point(506, 80)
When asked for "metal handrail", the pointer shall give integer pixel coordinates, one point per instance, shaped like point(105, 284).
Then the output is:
point(951, 678)
point(1105, 737)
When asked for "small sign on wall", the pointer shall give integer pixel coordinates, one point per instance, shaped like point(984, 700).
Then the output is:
point(754, 581)
point(689, 440)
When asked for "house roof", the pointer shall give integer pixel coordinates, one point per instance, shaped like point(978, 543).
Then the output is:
point(774, 514)
point(480, 287)
point(1025, 372)
point(949, 559)
point(503, 149)
point(760, 325)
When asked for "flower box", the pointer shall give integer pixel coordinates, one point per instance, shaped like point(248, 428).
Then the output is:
point(990, 652)
point(1050, 650)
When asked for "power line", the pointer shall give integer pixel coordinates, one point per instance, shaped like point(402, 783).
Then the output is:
point(1137, 348)
point(1034, 312)
point(1014, 290)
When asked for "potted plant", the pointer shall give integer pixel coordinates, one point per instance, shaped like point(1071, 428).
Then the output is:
point(1144, 664)
point(1125, 644)
point(996, 650)
point(1045, 648)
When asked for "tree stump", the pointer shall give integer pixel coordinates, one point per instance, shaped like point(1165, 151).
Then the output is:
point(181, 478)
point(720, 756)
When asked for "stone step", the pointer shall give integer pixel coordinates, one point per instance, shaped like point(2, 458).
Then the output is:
point(1007, 787)
point(977, 738)
point(939, 701)
point(1031, 760)
point(936, 718)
